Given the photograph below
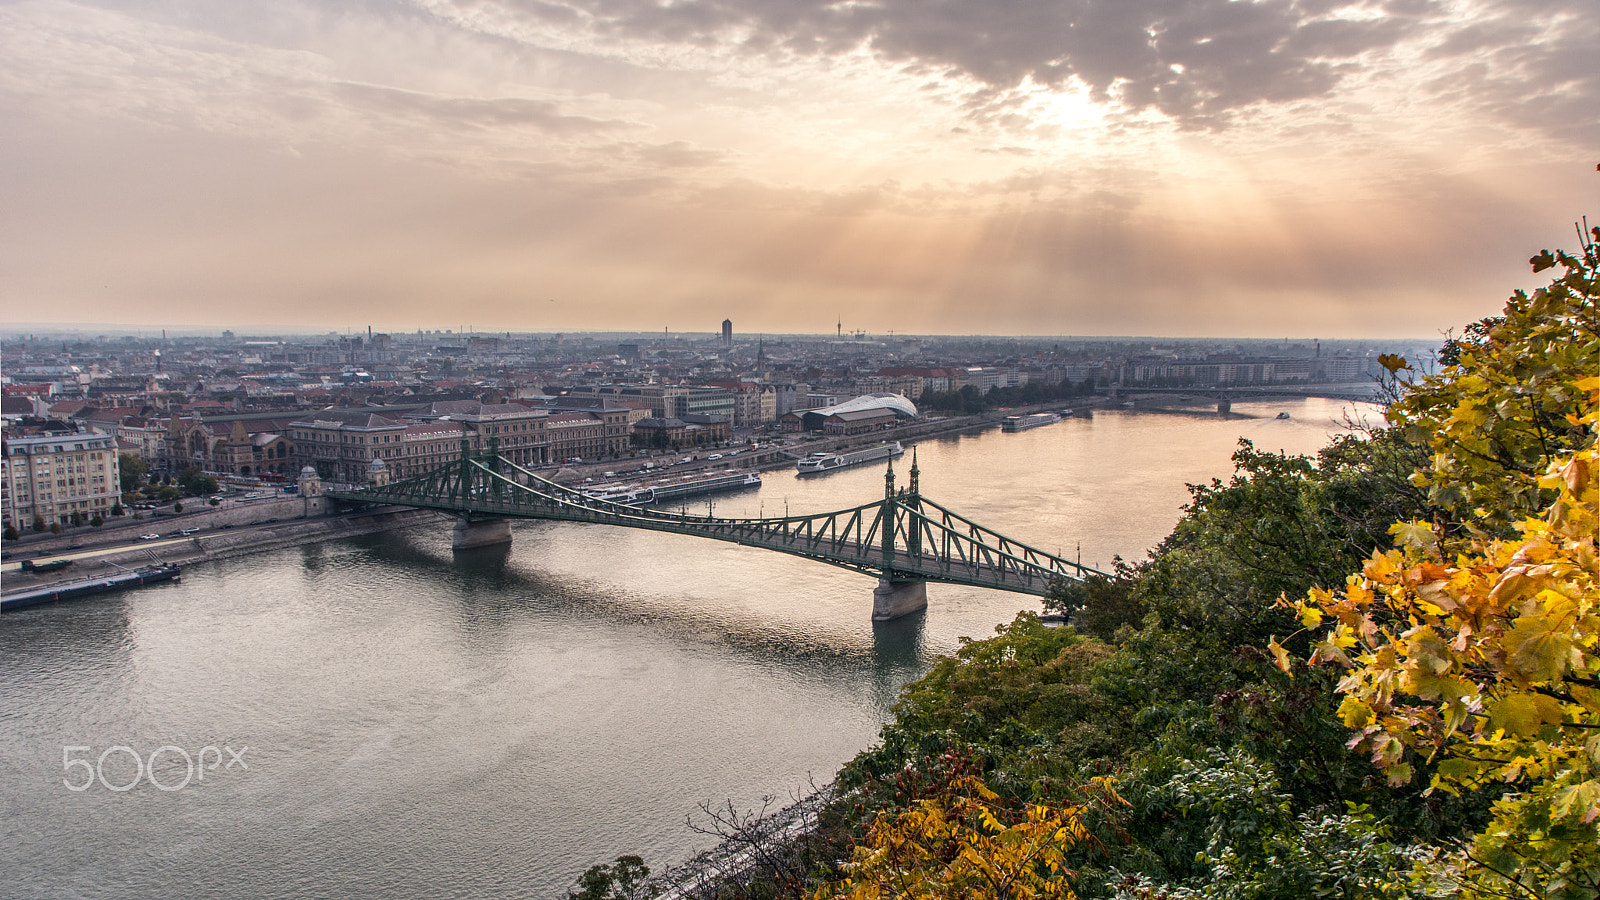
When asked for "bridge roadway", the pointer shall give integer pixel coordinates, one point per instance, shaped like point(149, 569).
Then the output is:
point(906, 540)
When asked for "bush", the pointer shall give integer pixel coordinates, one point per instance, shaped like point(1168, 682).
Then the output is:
point(10, 533)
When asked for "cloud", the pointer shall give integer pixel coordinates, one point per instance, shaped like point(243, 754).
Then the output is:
point(469, 112)
point(1198, 63)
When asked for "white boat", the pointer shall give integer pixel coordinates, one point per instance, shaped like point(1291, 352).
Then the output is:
point(827, 462)
point(1020, 423)
point(639, 495)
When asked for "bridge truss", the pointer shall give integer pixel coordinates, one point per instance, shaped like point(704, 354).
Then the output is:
point(903, 537)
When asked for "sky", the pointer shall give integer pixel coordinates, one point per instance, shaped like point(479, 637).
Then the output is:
point(1251, 168)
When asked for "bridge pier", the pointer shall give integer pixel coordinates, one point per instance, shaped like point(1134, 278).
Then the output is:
point(470, 533)
point(893, 599)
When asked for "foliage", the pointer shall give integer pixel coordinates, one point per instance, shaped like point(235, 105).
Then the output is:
point(131, 470)
point(195, 482)
point(1491, 662)
point(1258, 846)
point(1506, 409)
point(1475, 644)
point(97, 521)
point(962, 841)
point(626, 879)
point(116, 509)
point(1100, 604)
point(38, 522)
point(10, 533)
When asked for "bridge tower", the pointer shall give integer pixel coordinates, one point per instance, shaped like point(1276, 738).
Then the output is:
point(472, 532)
point(894, 597)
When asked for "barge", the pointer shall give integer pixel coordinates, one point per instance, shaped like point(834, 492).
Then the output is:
point(85, 587)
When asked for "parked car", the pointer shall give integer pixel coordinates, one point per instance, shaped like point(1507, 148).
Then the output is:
point(188, 531)
point(150, 537)
point(715, 456)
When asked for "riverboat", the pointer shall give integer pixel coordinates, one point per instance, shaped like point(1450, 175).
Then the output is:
point(827, 462)
point(71, 590)
point(29, 565)
point(641, 495)
point(1022, 423)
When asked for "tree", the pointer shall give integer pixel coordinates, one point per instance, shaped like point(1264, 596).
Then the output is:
point(55, 527)
point(195, 482)
point(10, 533)
point(131, 471)
point(1475, 643)
point(962, 841)
point(177, 507)
point(97, 521)
point(38, 523)
point(626, 879)
point(1100, 604)
point(1507, 407)
point(116, 509)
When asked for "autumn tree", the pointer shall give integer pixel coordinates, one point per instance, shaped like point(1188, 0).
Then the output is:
point(963, 841)
point(1474, 644)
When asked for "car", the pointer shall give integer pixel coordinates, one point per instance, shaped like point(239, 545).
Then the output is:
point(150, 537)
point(251, 496)
point(687, 459)
point(187, 531)
point(715, 456)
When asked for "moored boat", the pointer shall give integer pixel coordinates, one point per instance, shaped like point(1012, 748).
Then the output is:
point(85, 587)
point(827, 462)
point(1020, 423)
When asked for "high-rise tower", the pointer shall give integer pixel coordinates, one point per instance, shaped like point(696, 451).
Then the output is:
point(727, 332)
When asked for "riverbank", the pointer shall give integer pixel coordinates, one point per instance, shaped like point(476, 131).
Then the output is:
point(217, 545)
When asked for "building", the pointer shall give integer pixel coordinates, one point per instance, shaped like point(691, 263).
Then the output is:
point(518, 431)
point(884, 408)
point(727, 333)
point(860, 421)
point(341, 444)
point(59, 478)
point(577, 435)
point(659, 433)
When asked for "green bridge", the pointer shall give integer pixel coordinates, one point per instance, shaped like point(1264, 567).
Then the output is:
point(905, 539)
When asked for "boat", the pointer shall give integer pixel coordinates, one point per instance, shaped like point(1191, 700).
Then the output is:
point(29, 565)
point(827, 462)
point(84, 587)
point(1283, 415)
point(688, 486)
point(1021, 423)
point(658, 493)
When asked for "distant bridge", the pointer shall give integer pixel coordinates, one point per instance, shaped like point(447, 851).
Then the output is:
point(905, 539)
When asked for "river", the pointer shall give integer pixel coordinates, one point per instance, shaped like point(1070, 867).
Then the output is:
point(392, 720)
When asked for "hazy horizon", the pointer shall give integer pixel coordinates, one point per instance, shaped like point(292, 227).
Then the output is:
point(1016, 167)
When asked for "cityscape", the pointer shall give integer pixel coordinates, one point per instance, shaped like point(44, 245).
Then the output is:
point(800, 449)
point(262, 409)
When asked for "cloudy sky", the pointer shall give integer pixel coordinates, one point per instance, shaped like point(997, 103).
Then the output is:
point(1175, 167)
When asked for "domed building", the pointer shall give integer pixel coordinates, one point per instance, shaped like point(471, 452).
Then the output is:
point(869, 412)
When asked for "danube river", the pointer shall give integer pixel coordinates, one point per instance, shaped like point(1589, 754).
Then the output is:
point(379, 718)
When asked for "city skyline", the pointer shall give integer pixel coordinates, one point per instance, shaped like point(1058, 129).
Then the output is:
point(1257, 170)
